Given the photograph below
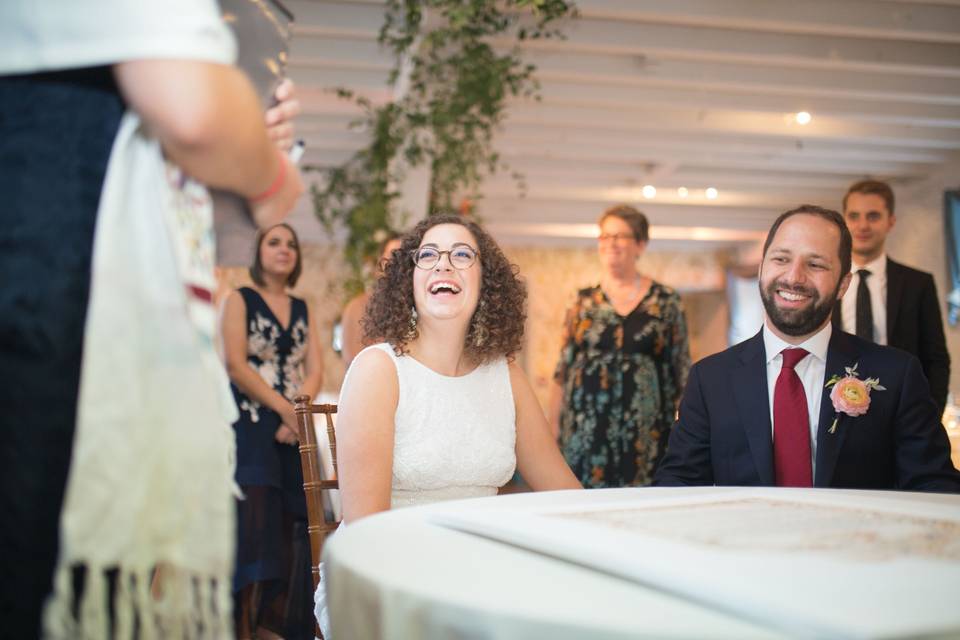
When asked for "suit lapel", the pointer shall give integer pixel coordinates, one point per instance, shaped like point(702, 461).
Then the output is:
point(752, 398)
point(840, 354)
point(894, 294)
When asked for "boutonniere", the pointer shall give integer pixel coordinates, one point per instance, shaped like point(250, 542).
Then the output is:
point(850, 394)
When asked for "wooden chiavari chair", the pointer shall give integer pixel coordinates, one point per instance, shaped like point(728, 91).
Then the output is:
point(319, 524)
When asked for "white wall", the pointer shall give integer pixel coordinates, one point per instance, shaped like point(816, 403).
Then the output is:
point(918, 240)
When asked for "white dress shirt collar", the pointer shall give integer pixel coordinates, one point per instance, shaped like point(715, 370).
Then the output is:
point(817, 344)
point(877, 267)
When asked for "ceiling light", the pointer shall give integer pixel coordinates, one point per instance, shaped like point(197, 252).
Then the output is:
point(711, 193)
point(803, 117)
point(649, 191)
point(683, 192)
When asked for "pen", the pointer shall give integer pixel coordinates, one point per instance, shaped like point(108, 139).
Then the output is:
point(296, 151)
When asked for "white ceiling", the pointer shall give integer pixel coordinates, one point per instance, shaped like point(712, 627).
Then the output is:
point(680, 93)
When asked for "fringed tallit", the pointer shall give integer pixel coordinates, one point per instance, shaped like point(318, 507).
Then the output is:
point(151, 478)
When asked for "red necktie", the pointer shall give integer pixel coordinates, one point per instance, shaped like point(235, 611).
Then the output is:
point(791, 425)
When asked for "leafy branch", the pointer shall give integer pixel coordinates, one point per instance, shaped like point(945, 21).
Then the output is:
point(457, 85)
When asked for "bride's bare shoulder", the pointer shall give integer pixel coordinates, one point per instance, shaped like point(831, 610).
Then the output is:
point(371, 372)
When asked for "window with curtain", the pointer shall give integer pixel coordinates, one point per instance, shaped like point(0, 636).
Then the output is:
point(951, 212)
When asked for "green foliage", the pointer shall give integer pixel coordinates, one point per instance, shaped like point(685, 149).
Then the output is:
point(457, 84)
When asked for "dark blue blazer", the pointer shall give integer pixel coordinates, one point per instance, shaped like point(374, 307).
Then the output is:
point(723, 434)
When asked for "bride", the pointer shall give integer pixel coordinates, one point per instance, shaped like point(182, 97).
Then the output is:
point(440, 410)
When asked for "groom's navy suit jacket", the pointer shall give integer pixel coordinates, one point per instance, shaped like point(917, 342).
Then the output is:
point(723, 435)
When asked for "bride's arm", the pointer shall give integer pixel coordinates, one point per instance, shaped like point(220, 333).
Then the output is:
point(365, 428)
point(538, 457)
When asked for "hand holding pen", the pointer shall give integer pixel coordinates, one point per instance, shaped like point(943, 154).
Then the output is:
point(272, 205)
point(280, 117)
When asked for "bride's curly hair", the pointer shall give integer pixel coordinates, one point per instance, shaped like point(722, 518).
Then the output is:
point(496, 329)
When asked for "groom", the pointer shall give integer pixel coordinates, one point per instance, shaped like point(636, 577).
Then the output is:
point(761, 413)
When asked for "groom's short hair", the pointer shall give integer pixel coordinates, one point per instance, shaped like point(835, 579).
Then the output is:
point(846, 240)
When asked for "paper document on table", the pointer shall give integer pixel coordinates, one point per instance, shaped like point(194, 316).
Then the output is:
point(812, 564)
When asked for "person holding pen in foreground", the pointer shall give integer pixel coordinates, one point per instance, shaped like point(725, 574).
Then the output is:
point(72, 77)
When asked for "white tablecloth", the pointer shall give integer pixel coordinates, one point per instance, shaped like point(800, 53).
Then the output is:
point(401, 574)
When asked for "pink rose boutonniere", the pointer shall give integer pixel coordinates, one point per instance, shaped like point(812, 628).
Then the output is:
point(850, 394)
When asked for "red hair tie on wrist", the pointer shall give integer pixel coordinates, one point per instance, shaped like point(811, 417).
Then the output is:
point(277, 182)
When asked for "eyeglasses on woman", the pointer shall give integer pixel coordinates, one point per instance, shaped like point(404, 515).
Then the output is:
point(461, 256)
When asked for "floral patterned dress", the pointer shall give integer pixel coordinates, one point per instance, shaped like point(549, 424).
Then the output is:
point(271, 519)
point(622, 378)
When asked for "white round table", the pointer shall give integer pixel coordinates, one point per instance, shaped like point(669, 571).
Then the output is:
point(407, 574)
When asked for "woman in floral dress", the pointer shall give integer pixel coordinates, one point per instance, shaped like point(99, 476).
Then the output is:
point(273, 355)
point(623, 365)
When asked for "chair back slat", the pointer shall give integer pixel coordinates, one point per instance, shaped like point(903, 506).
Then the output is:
point(332, 439)
point(319, 526)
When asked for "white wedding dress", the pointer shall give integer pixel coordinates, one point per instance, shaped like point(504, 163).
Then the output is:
point(454, 438)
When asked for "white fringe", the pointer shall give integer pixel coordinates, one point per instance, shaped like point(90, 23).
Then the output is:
point(189, 607)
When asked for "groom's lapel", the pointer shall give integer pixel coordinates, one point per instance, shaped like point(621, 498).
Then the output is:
point(840, 354)
point(753, 404)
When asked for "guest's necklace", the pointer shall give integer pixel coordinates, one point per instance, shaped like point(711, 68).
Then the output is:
point(632, 294)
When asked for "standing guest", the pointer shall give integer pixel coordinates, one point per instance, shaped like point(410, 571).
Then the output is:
point(890, 303)
point(623, 364)
point(439, 410)
point(801, 404)
point(272, 352)
point(353, 312)
point(68, 73)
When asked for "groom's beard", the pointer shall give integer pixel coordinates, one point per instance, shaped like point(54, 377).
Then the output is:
point(798, 322)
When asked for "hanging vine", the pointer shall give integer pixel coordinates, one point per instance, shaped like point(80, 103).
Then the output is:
point(456, 89)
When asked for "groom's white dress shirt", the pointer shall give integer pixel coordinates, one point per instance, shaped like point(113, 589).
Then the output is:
point(811, 370)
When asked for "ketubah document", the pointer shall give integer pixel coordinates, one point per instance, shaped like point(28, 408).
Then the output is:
point(812, 563)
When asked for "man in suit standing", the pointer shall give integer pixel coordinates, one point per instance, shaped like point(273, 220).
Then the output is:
point(890, 303)
point(760, 413)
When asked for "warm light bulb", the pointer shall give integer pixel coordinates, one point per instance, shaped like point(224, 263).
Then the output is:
point(803, 117)
point(711, 193)
point(649, 191)
point(682, 192)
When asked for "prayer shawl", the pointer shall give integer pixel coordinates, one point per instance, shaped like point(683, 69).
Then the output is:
point(151, 480)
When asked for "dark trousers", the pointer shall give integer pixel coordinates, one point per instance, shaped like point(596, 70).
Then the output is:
point(56, 132)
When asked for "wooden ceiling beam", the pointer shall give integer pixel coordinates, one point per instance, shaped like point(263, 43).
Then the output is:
point(848, 18)
point(803, 51)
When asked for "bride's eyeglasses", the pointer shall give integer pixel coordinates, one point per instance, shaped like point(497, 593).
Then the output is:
point(461, 256)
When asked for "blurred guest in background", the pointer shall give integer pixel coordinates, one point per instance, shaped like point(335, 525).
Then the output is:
point(888, 302)
point(623, 364)
point(68, 73)
point(272, 352)
point(353, 312)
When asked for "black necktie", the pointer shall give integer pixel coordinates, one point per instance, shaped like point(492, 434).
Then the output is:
point(864, 307)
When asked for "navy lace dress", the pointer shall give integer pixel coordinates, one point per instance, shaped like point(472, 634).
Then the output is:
point(272, 546)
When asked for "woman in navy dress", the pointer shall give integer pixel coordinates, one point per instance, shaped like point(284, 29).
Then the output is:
point(273, 355)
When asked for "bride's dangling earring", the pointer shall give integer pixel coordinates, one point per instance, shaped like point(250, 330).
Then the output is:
point(479, 325)
point(412, 331)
